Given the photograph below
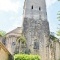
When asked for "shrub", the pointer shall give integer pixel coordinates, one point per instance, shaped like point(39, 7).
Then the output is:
point(26, 57)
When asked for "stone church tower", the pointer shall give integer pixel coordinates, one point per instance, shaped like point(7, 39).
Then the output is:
point(36, 27)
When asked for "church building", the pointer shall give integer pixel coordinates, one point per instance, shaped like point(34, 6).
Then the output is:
point(36, 31)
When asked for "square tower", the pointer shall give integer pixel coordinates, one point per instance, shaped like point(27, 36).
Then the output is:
point(36, 27)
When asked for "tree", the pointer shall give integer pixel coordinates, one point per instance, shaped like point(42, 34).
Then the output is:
point(2, 33)
point(21, 40)
point(53, 38)
point(58, 0)
point(58, 32)
point(58, 14)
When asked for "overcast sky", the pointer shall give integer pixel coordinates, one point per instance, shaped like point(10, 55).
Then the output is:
point(11, 14)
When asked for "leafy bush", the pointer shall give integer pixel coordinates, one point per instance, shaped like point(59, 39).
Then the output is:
point(26, 57)
point(2, 33)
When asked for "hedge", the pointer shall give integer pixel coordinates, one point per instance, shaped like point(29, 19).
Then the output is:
point(26, 57)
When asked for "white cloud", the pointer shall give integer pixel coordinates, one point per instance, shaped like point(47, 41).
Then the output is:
point(10, 5)
point(50, 2)
point(7, 5)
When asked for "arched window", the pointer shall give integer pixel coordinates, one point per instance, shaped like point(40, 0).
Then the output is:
point(32, 7)
point(39, 8)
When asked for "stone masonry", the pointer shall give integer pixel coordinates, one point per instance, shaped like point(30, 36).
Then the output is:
point(36, 27)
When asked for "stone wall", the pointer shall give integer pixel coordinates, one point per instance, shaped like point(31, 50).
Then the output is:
point(11, 40)
point(36, 27)
point(54, 50)
point(37, 33)
point(4, 53)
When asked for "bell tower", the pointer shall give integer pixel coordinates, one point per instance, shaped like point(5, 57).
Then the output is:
point(35, 9)
point(36, 27)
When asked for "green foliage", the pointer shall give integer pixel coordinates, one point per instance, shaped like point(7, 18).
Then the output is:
point(53, 38)
point(58, 0)
point(58, 14)
point(22, 43)
point(26, 57)
point(21, 39)
point(58, 33)
point(2, 33)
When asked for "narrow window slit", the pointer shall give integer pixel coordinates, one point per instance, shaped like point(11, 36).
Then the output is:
point(39, 8)
point(32, 7)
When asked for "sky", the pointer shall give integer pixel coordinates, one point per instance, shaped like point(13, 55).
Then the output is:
point(11, 14)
